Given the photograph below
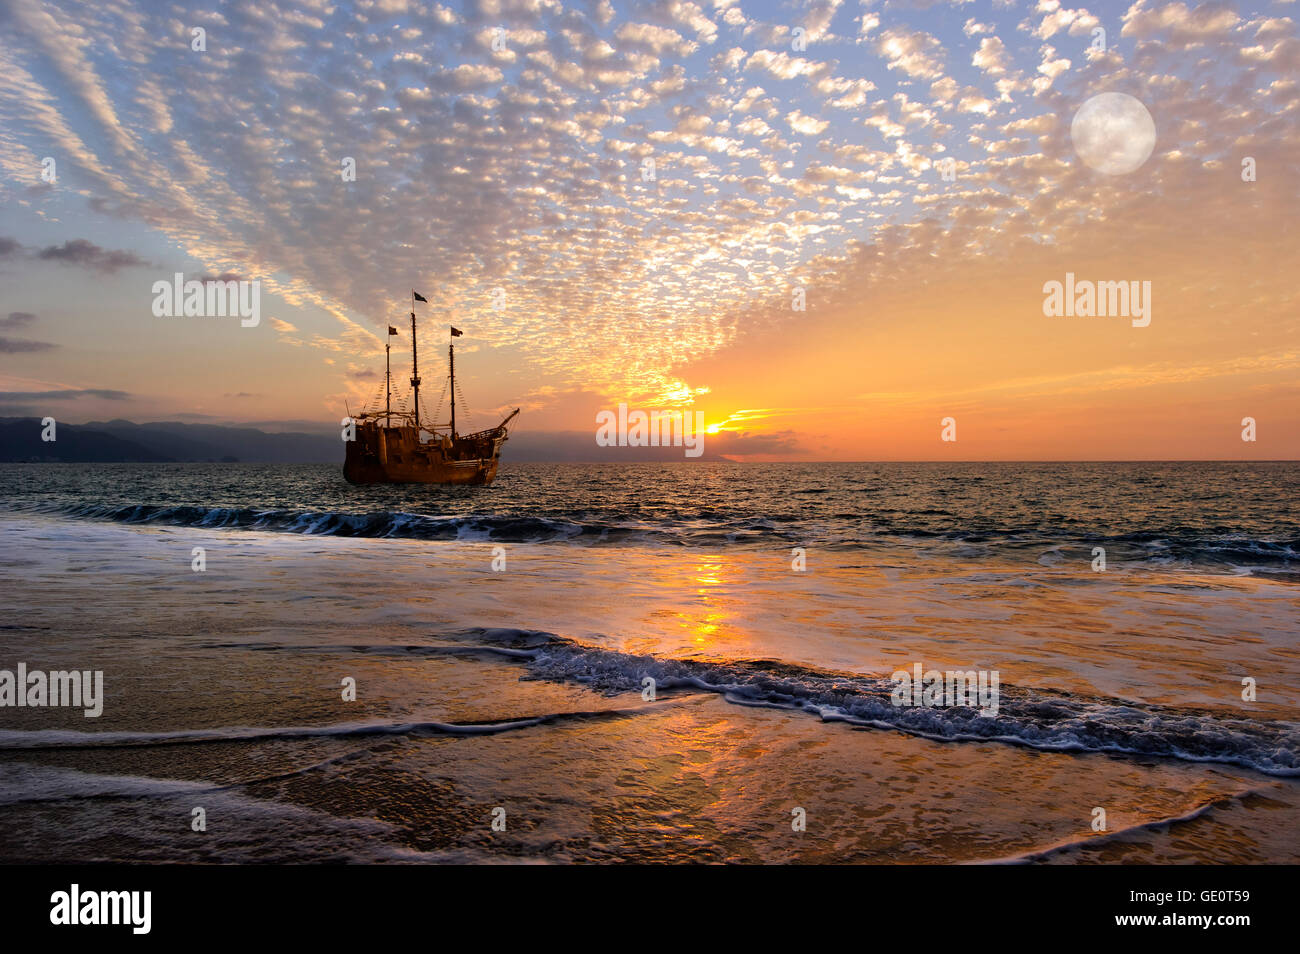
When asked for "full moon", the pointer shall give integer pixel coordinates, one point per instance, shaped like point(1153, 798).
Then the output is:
point(1113, 133)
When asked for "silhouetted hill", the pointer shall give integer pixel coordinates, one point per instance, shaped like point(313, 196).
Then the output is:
point(189, 442)
point(118, 440)
point(20, 440)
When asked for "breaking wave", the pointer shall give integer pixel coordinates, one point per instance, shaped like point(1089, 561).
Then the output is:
point(1232, 550)
point(1038, 719)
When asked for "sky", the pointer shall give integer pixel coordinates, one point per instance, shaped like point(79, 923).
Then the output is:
point(828, 225)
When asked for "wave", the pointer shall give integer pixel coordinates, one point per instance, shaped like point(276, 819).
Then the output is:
point(1044, 720)
point(852, 532)
point(332, 523)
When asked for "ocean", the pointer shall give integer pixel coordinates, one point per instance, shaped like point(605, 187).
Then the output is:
point(689, 662)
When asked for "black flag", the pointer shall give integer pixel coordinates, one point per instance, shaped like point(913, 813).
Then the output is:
point(392, 330)
point(418, 297)
point(455, 333)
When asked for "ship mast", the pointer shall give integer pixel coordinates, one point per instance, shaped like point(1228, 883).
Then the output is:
point(388, 381)
point(415, 367)
point(451, 353)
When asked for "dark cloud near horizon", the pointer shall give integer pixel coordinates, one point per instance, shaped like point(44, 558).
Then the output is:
point(66, 394)
point(86, 254)
point(21, 319)
point(745, 442)
point(9, 247)
point(17, 346)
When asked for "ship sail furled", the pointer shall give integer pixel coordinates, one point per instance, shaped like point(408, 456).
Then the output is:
point(390, 448)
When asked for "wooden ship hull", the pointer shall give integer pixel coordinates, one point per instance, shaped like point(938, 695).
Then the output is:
point(394, 455)
point(385, 452)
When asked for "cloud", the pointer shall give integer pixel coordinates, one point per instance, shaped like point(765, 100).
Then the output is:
point(17, 319)
point(1186, 26)
point(751, 444)
point(657, 40)
point(1057, 18)
point(914, 52)
point(784, 66)
point(14, 346)
point(818, 19)
point(991, 57)
point(86, 254)
point(68, 394)
point(807, 125)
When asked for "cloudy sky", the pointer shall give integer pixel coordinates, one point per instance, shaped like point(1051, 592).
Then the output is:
point(621, 202)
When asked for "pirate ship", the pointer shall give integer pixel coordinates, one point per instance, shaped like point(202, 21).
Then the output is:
point(390, 446)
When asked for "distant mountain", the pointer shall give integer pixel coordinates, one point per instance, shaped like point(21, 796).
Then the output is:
point(20, 440)
point(216, 442)
point(118, 440)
